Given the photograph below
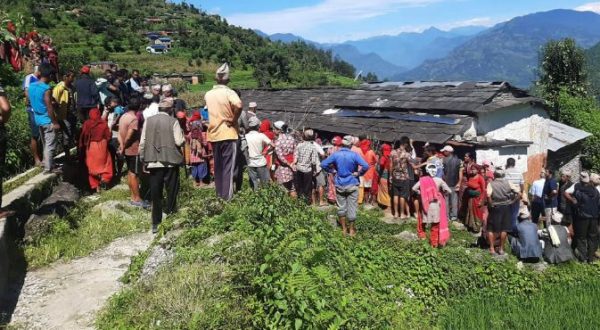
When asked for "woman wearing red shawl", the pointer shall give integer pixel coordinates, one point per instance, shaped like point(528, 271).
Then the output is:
point(367, 180)
point(432, 191)
point(265, 128)
point(472, 211)
point(383, 194)
point(94, 142)
point(337, 145)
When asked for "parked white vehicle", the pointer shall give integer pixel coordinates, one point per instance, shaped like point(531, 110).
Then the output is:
point(157, 49)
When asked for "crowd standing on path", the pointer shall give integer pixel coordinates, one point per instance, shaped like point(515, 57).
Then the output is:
point(121, 120)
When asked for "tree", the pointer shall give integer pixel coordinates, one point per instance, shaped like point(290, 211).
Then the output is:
point(562, 68)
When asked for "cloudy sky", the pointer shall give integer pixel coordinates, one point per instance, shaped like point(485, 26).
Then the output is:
point(340, 20)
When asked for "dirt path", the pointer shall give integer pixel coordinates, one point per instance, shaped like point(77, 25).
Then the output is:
point(68, 295)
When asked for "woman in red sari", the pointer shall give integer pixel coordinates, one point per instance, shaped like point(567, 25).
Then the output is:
point(337, 145)
point(94, 139)
point(473, 200)
point(265, 128)
point(383, 194)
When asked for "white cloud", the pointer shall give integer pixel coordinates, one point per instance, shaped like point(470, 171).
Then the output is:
point(592, 6)
point(302, 19)
point(477, 21)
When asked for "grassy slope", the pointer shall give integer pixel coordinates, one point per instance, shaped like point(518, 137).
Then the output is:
point(265, 262)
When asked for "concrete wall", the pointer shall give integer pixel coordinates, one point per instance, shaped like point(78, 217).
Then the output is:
point(522, 123)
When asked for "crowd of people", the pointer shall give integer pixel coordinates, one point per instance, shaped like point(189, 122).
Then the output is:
point(24, 51)
point(126, 122)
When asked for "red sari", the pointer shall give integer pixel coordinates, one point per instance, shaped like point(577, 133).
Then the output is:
point(94, 139)
point(474, 196)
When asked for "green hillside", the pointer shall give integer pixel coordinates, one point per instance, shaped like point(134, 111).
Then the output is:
point(593, 68)
point(94, 30)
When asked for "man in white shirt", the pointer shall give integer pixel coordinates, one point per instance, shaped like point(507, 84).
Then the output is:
point(536, 193)
point(257, 163)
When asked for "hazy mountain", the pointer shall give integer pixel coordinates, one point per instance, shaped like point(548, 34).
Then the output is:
point(593, 68)
point(413, 48)
point(509, 51)
point(365, 62)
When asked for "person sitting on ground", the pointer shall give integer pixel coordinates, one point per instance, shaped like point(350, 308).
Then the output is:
point(40, 95)
point(586, 200)
point(527, 245)
point(432, 191)
point(257, 162)
point(501, 195)
point(556, 242)
point(348, 166)
point(199, 152)
point(160, 150)
point(93, 144)
point(129, 142)
point(536, 193)
point(306, 164)
point(5, 111)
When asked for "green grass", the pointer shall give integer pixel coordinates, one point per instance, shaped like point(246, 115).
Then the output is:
point(560, 306)
point(83, 231)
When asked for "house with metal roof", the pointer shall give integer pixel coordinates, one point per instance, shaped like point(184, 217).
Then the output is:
point(164, 41)
point(493, 120)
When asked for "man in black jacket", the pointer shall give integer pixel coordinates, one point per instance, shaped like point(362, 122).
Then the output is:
point(586, 199)
point(87, 95)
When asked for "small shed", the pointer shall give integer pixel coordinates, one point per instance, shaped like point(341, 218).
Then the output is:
point(493, 120)
point(164, 41)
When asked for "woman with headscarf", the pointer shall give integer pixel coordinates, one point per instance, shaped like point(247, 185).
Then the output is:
point(472, 211)
point(198, 146)
point(383, 194)
point(370, 157)
point(432, 191)
point(265, 128)
point(337, 145)
point(93, 141)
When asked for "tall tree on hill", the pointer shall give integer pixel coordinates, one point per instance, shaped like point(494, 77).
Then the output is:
point(562, 67)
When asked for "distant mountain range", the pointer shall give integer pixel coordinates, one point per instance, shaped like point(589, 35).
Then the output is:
point(387, 56)
point(509, 51)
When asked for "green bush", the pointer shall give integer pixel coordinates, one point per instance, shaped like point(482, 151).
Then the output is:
point(18, 156)
point(285, 267)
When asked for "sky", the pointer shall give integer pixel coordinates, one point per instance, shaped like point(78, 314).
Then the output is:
point(341, 20)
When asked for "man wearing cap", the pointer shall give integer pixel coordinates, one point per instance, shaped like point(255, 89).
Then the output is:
point(160, 151)
point(285, 146)
point(515, 177)
point(536, 193)
point(348, 166)
point(156, 89)
point(224, 107)
point(453, 176)
point(550, 194)
point(527, 245)
point(586, 200)
point(564, 205)
point(35, 131)
point(167, 91)
point(87, 94)
point(257, 162)
point(306, 164)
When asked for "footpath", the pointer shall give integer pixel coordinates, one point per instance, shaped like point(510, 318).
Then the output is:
point(65, 294)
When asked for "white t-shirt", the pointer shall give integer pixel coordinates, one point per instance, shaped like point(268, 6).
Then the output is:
point(256, 144)
point(151, 110)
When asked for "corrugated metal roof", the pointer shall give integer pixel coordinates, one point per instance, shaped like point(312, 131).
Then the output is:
point(561, 135)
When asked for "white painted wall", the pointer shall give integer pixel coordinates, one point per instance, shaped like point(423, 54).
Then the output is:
point(522, 123)
point(499, 156)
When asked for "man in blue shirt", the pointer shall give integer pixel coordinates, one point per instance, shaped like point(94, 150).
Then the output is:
point(40, 96)
point(348, 166)
point(550, 195)
point(35, 131)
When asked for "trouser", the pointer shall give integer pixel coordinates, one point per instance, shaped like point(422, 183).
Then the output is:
point(548, 212)
point(586, 237)
point(2, 157)
point(67, 128)
point(514, 215)
point(434, 237)
point(159, 179)
point(259, 176)
point(537, 210)
point(304, 186)
point(452, 202)
point(347, 202)
point(225, 154)
point(48, 136)
point(240, 163)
